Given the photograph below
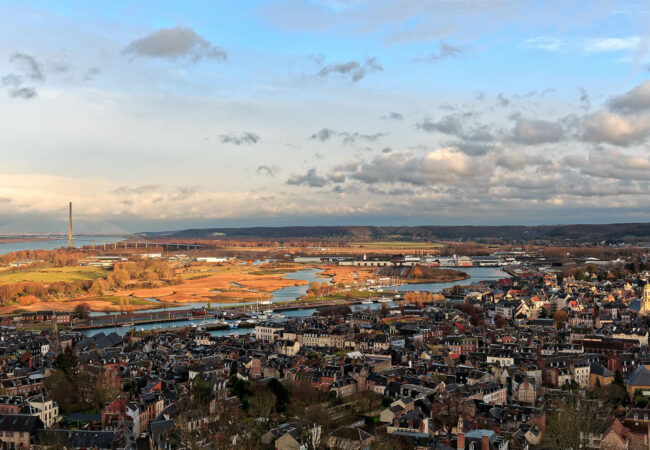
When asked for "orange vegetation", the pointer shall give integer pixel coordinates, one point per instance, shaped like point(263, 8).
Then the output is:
point(347, 274)
point(219, 288)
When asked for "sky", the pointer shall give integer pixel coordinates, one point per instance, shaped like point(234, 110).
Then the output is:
point(169, 115)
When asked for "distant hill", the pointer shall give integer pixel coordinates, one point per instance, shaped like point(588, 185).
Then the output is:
point(628, 232)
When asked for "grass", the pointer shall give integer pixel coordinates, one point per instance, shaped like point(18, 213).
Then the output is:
point(53, 274)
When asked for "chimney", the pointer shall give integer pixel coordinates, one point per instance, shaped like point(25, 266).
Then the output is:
point(460, 441)
point(485, 442)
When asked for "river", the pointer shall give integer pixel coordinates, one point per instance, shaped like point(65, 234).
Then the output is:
point(477, 274)
point(53, 244)
point(284, 294)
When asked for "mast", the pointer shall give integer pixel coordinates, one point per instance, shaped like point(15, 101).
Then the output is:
point(70, 226)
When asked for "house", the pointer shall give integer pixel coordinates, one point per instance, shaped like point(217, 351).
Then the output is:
point(48, 410)
point(298, 435)
point(349, 438)
point(413, 423)
point(19, 430)
point(637, 421)
point(616, 437)
point(638, 379)
point(481, 439)
point(524, 389)
point(79, 439)
point(600, 375)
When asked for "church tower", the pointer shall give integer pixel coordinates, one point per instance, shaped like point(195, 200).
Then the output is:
point(55, 343)
point(645, 301)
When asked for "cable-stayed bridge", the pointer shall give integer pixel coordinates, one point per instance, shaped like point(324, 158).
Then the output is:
point(80, 230)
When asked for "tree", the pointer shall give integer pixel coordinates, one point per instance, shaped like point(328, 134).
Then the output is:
point(571, 422)
point(262, 402)
point(499, 321)
point(202, 392)
point(66, 361)
point(82, 311)
point(560, 317)
point(640, 400)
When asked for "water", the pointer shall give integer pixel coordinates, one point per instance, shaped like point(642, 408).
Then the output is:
point(198, 321)
point(53, 244)
point(476, 274)
point(284, 294)
point(293, 292)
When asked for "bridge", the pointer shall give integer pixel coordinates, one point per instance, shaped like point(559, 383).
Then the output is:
point(83, 232)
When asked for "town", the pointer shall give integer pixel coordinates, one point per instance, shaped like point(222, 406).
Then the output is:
point(551, 352)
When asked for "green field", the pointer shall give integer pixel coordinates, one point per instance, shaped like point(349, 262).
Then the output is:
point(53, 274)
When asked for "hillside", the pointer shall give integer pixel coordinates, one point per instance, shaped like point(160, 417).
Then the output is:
point(629, 232)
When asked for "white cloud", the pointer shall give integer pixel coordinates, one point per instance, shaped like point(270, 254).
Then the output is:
point(635, 100)
point(617, 129)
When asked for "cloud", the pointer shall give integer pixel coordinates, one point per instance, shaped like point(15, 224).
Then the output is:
point(393, 116)
point(453, 125)
point(311, 179)
point(25, 69)
point(246, 137)
point(616, 129)
point(269, 171)
point(634, 100)
point(91, 73)
point(351, 138)
point(548, 43)
point(25, 92)
point(584, 99)
point(323, 135)
point(354, 70)
point(442, 165)
point(612, 44)
point(145, 188)
point(503, 100)
point(447, 125)
point(444, 51)
point(617, 165)
point(346, 137)
point(174, 43)
point(533, 132)
point(184, 192)
point(596, 45)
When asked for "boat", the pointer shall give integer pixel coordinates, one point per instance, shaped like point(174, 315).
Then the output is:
point(385, 300)
point(366, 302)
point(234, 324)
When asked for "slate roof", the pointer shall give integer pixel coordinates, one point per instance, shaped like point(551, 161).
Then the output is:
point(19, 422)
point(77, 438)
point(599, 369)
point(640, 377)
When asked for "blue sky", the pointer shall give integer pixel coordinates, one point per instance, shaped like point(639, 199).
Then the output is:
point(157, 115)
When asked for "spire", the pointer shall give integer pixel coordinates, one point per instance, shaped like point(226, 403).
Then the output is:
point(55, 344)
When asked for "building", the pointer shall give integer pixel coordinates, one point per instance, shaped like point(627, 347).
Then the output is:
point(19, 430)
point(645, 301)
point(48, 410)
point(268, 331)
